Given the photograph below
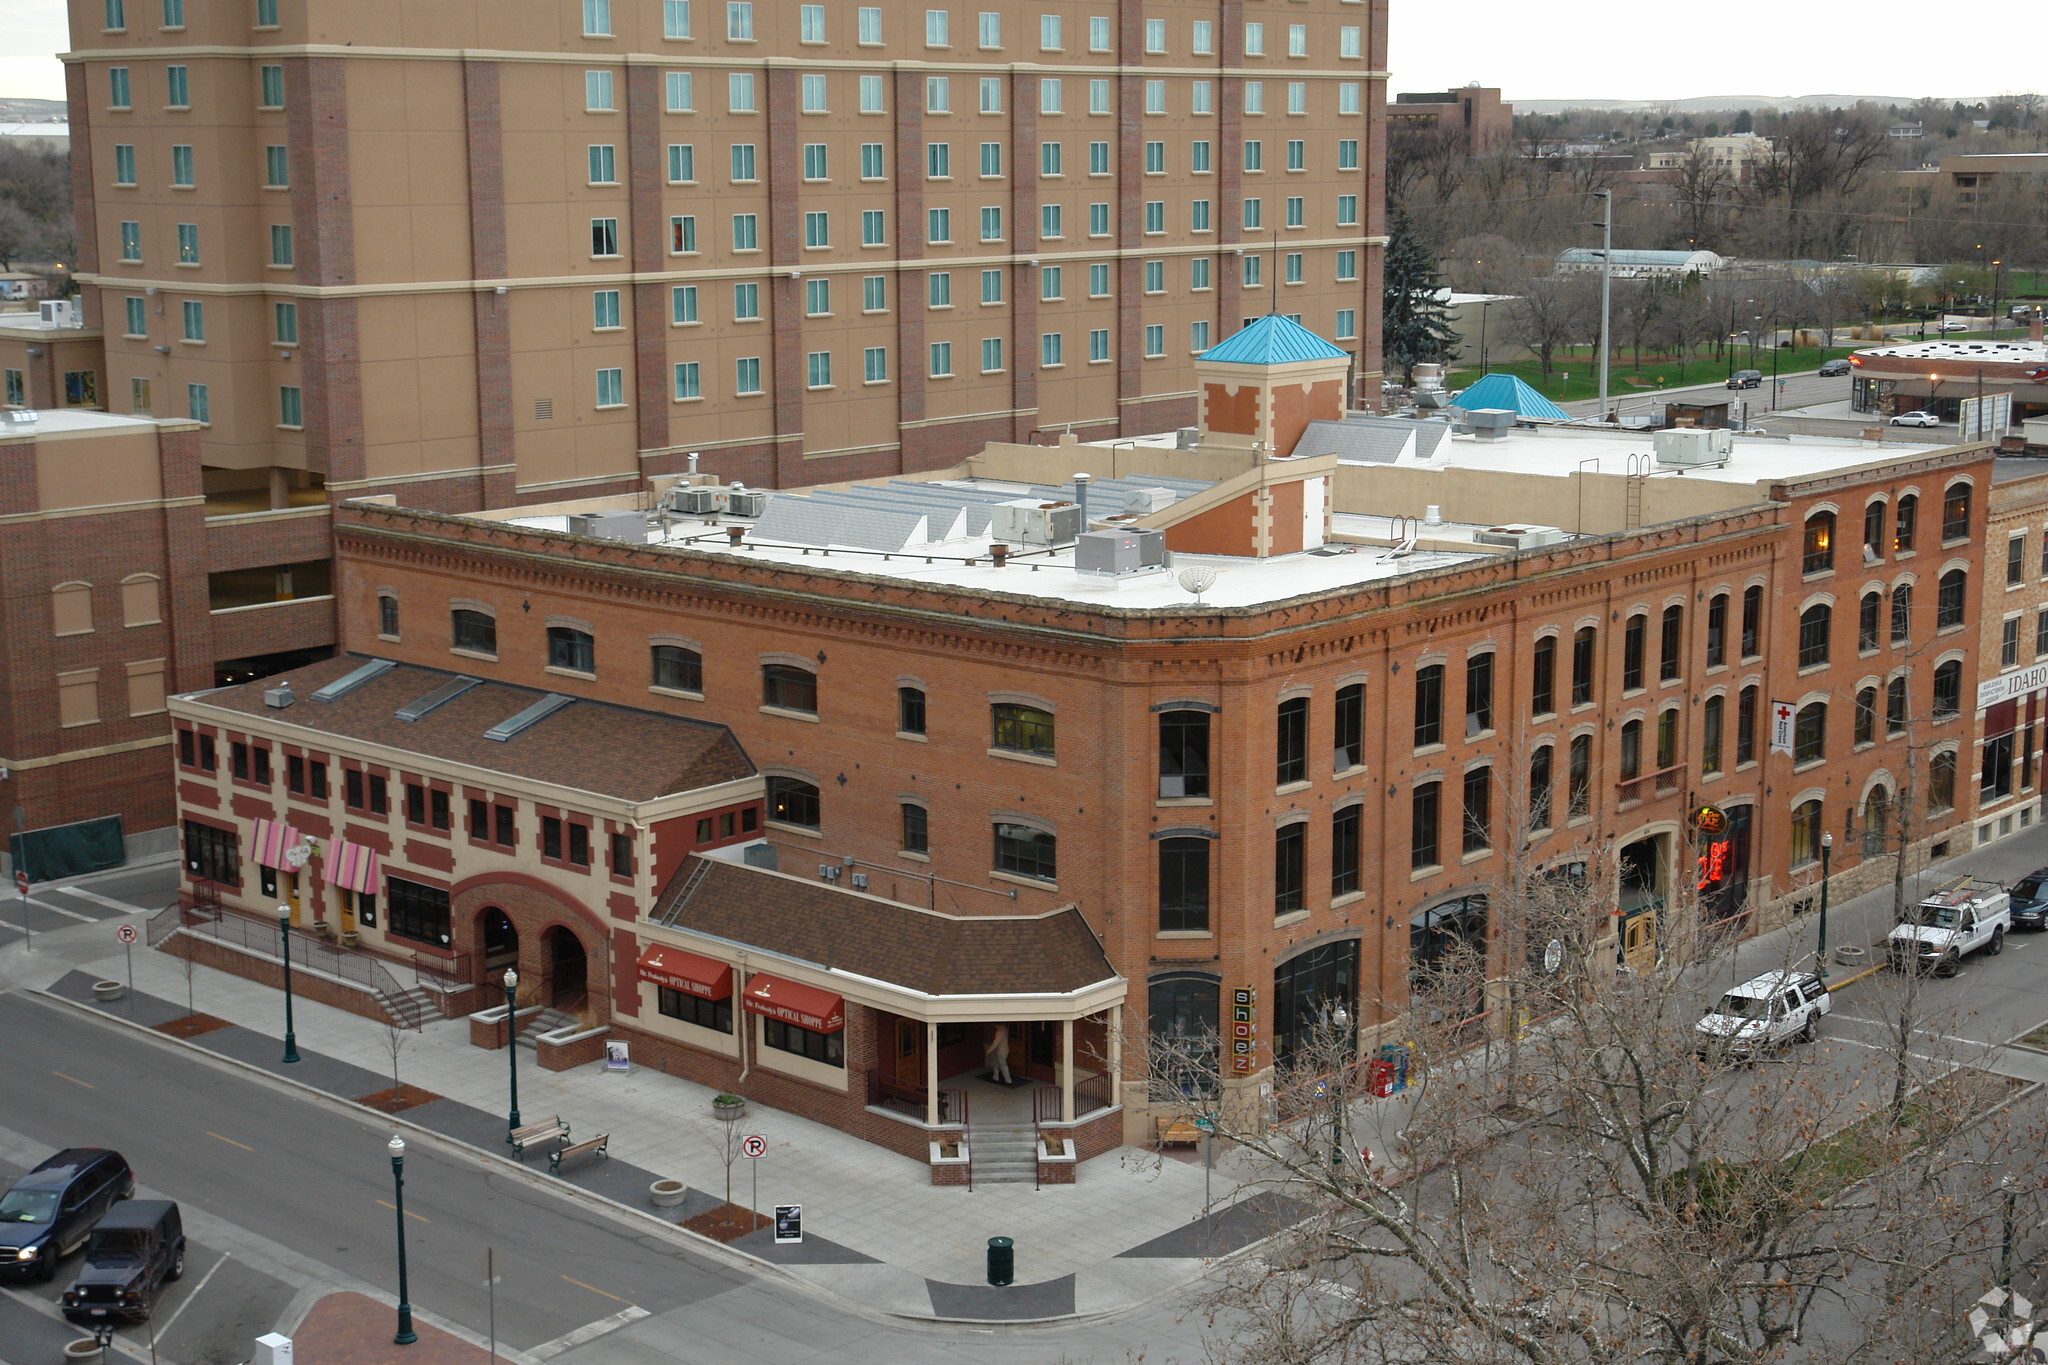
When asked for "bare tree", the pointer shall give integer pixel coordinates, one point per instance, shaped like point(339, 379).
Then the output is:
point(1550, 311)
point(396, 1036)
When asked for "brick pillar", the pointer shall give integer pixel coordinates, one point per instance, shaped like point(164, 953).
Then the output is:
point(646, 173)
point(186, 605)
point(785, 295)
point(1024, 280)
point(1130, 224)
point(484, 144)
point(910, 352)
point(1229, 163)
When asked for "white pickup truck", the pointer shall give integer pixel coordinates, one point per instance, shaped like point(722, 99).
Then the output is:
point(1762, 1013)
point(1951, 924)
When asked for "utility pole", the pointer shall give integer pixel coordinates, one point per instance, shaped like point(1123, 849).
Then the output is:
point(1606, 287)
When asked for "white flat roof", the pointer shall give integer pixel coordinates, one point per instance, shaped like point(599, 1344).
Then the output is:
point(65, 421)
point(1990, 352)
point(1561, 451)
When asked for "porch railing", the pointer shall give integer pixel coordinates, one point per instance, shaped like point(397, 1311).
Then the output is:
point(259, 939)
point(885, 1091)
point(1090, 1094)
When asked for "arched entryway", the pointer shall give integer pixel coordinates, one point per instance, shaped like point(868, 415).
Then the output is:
point(499, 939)
point(568, 969)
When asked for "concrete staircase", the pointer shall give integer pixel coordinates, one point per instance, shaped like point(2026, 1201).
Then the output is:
point(1004, 1156)
point(547, 1021)
point(413, 1007)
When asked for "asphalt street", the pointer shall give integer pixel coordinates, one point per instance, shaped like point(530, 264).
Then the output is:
point(285, 1197)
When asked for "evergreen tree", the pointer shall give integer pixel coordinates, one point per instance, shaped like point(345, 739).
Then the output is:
point(1414, 324)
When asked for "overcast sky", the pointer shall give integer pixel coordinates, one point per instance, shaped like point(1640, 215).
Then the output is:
point(1589, 51)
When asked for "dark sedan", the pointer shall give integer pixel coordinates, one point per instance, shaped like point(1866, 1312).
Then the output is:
point(2030, 900)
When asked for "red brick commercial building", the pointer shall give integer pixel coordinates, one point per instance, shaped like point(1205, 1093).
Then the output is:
point(1940, 375)
point(1301, 781)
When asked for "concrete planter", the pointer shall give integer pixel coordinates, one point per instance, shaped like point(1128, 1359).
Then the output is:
point(108, 990)
point(349, 938)
point(666, 1194)
point(84, 1348)
point(1848, 955)
point(729, 1112)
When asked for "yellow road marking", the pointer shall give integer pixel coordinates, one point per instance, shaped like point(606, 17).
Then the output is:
point(599, 1292)
point(408, 1213)
point(230, 1141)
point(75, 1081)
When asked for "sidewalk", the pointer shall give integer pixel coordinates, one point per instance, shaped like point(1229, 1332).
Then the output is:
point(876, 1231)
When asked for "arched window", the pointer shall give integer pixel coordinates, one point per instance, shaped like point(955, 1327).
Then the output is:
point(1023, 729)
point(1941, 781)
point(1810, 732)
point(1447, 955)
point(1948, 689)
point(910, 710)
point(789, 688)
point(1634, 640)
point(1350, 720)
point(1183, 753)
point(1877, 810)
point(792, 801)
point(387, 615)
point(1584, 642)
point(1026, 852)
point(1670, 648)
point(71, 609)
point(1308, 988)
point(1902, 522)
point(1540, 782)
point(1818, 550)
point(474, 631)
point(1814, 623)
point(1806, 817)
point(1717, 630)
point(1951, 601)
point(1752, 621)
point(1866, 716)
point(1667, 749)
point(1183, 884)
point(677, 668)
point(1955, 512)
point(1895, 706)
point(1713, 720)
point(1181, 1031)
point(1869, 620)
point(1873, 532)
point(1902, 613)
point(572, 649)
point(1631, 750)
point(1290, 733)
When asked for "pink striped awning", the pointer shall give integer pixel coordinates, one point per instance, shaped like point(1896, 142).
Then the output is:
point(352, 867)
point(269, 840)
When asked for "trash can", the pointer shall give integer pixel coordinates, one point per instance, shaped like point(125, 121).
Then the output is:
point(1002, 1260)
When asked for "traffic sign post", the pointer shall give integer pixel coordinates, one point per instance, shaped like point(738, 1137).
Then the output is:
point(21, 887)
point(753, 1147)
point(126, 933)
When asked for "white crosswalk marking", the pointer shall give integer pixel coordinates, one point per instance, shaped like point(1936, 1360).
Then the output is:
point(123, 906)
point(60, 910)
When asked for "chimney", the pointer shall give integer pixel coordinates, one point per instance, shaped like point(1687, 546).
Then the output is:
point(1081, 496)
point(735, 534)
point(693, 462)
point(999, 555)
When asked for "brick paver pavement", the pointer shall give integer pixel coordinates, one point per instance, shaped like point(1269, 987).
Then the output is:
point(353, 1329)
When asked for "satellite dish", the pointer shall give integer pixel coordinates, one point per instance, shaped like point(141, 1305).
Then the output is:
point(1197, 580)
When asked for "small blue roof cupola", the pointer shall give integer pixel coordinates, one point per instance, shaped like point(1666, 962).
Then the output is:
point(1261, 386)
point(1507, 391)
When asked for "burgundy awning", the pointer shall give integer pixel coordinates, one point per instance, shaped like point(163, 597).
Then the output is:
point(795, 1003)
point(686, 972)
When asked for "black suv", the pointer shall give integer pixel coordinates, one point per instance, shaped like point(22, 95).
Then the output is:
point(1745, 379)
point(48, 1212)
point(134, 1252)
point(2030, 900)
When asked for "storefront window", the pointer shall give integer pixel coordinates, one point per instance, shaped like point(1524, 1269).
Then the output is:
point(1307, 988)
point(715, 1015)
point(415, 911)
point(828, 1048)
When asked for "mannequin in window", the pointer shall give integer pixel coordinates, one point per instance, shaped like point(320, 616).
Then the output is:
point(997, 1055)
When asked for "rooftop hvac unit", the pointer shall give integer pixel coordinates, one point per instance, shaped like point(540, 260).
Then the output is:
point(1519, 537)
point(1028, 521)
point(1119, 552)
point(742, 501)
point(1490, 424)
point(704, 500)
point(1693, 447)
point(59, 313)
point(609, 525)
point(1187, 438)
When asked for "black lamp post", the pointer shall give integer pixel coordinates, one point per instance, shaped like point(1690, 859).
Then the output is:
point(1827, 849)
point(396, 1147)
point(284, 935)
point(1340, 1024)
point(512, 1049)
point(2011, 1193)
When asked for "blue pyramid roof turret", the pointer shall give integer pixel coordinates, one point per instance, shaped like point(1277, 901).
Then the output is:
point(1506, 391)
point(1272, 340)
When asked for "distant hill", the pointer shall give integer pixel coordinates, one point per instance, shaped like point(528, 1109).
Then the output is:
point(1707, 104)
point(31, 111)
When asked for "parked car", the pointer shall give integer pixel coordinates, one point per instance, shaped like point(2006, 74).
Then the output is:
point(48, 1213)
point(1834, 369)
point(1919, 417)
point(1949, 925)
point(1953, 326)
point(136, 1250)
point(1745, 379)
point(1763, 1013)
point(2030, 900)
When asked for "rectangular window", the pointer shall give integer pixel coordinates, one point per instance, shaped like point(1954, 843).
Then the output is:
point(1155, 158)
point(1098, 33)
point(1634, 644)
point(681, 89)
point(1478, 823)
point(194, 317)
point(604, 168)
point(1098, 220)
point(1254, 40)
point(941, 360)
point(174, 13)
point(682, 234)
point(817, 228)
point(1297, 40)
point(990, 30)
point(1155, 215)
point(1183, 885)
point(1350, 42)
point(1198, 335)
point(1051, 349)
point(992, 285)
point(1423, 817)
point(280, 244)
point(1155, 97)
point(604, 309)
point(938, 160)
point(1348, 97)
point(687, 383)
point(1098, 344)
point(1198, 216)
point(675, 18)
point(746, 232)
point(197, 405)
point(1099, 97)
point(810, 23)
point(137, 315)
point(938, 95)
point(1199, 99)
point(1254, 155)
point(991, 355)
point(1745, 727)
point(874, 293)
point(415, 911)
point(597, 18)
point(741, 159)
point(875, 365)
point(604, 236)
point(291, 410)
point(1347, 154)
point(1155, 340)
point(935, 27)
point(118, 95)
point(1429, 705)
point(747, 376)
point(818, 369)
point(873, 227)
point(938, 224)
point(611, 388)
point(682, 304)
point(1048, 33)
point(1478, 694)
point(117, 19)
point(992, 224)
point(1255, 97)
point(183, 177)
point(1198, 272)
point(1347, 324)
point(1098, 280)
point(1579, 778)
point(270, 84)
point(1051, 100)
point(739, 21)
point(1297, 97)
point(597, 91)
point(811, 94)
point(1049, 283)
point(276, 169)
point(1292, 267)
point(746, 302)
point(818, 297)
point(1669, 646)
point(1198, 156)
point(938, 289)
point(739, 92)
point(871, 161)
point(870, 26)
point(1049, 221)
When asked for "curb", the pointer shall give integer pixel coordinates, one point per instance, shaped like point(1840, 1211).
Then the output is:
point(693, 1240)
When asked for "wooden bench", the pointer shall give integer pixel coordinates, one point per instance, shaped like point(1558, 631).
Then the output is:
point(547, 1130)
point(1173, 1132)
point(598, 1145)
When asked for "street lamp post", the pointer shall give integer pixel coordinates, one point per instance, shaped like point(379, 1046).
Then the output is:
point(284, 935)
point(2007, 1188)
point(1827, 849)
point(512, 1048)
point(1340, 1021)
point(406, 1336)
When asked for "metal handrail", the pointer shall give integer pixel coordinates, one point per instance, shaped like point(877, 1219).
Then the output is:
point(259, 938)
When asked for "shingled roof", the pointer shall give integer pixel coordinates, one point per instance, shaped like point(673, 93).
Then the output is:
point(615, 751)
point(925, 950)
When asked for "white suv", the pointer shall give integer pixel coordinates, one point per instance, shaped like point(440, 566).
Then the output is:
point(1761, 1014)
